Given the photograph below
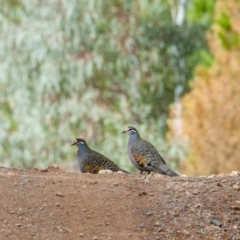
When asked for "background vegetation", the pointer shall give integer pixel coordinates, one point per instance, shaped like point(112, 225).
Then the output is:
point(81, 68)
point(211, 110)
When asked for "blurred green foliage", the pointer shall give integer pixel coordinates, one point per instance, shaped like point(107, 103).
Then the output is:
point(88, 69)
point(201, 12)
point(228, 37)
point(211, 110)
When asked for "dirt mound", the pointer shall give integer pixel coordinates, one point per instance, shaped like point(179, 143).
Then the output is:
point(52, 204)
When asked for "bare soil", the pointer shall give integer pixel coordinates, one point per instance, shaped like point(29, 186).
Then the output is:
point(53, 204)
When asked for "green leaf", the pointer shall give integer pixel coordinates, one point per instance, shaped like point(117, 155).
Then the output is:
point(224, 22)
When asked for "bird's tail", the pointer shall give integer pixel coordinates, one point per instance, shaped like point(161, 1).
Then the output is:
point(165, 170)
point(171, 173)
point(124, 171)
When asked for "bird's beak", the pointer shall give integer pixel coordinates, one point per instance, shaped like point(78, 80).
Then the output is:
point(74, 143)
point(125, 131)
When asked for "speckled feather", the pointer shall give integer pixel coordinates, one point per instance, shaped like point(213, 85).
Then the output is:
point(94, 162)
point(144, 156)
point(147, 156)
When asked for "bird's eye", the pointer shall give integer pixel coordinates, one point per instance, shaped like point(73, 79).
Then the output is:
point(149, 164)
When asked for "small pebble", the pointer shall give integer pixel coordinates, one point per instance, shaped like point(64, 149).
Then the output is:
point(141, 225)
point(142, 194)
point(107, 171)
point(198, 205)
point(69, 230)
point(234, 173)
point(236, 187)
point(147, 213)
point(59, 194)
point(235, 207)
point(185, 232)
point(212, 176)
point(216, 222)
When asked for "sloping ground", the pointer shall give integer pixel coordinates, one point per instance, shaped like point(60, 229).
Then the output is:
point(52, 204)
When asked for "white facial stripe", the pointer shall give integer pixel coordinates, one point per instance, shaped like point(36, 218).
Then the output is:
point(131, 130)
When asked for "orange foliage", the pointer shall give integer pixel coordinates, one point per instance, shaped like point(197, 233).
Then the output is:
point(211, 111)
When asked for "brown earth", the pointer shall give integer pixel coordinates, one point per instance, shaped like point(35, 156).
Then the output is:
point(53, 204)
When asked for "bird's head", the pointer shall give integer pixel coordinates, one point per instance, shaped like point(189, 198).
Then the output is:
point(131, 131)
point(79, 142)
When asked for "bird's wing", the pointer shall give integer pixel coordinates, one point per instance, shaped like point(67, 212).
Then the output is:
point(96, 162)
point(146, 155)
point(92, 164)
